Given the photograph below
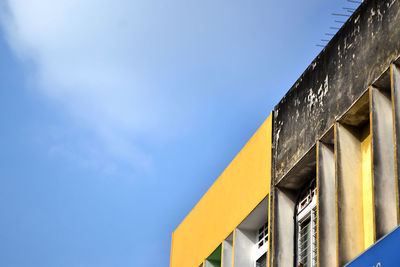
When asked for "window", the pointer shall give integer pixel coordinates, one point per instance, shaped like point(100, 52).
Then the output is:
point(262, 261)
point(261, 246)
point(306, 220)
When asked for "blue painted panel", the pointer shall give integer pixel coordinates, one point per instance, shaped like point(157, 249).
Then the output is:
point(385, 253)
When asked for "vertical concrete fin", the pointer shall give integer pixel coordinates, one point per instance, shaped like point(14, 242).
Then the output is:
point(383, 173)
point(270, 228)
point(227, 251)
point(335, 151)
point(222, 253)
point(284, 228)
point(244, 245)
point(395, 89)
point(233, 247)
point(349, 193)
point(326, 205)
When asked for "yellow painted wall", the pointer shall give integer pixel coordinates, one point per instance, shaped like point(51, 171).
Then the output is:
point(367, 184)
point(243, 184)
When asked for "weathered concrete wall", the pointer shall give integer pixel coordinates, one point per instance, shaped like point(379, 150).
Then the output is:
point(361, 51)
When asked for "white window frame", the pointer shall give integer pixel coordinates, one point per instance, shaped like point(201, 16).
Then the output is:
point(259, 251)
point(308, 207)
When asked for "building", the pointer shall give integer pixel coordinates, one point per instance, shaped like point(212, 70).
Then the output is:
point(318, 183)
point(208, 233)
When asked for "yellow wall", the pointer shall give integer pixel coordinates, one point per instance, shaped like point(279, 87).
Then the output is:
point(367, 184)
point(243, 184)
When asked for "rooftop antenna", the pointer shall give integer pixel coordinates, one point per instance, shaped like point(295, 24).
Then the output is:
point(354, 1)
point(349, 10)
point(342, 15)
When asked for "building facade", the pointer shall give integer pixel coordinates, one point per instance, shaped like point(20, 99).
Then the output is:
point(318, 183)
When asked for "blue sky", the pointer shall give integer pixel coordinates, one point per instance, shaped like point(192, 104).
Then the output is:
point(117, 116)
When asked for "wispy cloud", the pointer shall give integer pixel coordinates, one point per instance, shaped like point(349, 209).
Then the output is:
point(131, 71)
point(97, 60)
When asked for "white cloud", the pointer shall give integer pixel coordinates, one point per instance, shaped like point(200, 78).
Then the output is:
point(85, 59)
point(136, 72)
point(99, 61)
